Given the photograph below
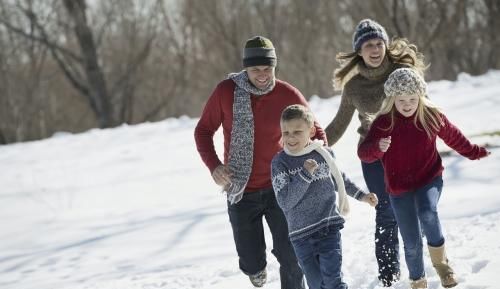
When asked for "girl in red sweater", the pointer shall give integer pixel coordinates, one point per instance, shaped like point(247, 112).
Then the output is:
point(403, 136)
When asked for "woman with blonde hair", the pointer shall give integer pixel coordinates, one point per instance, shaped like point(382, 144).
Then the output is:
point(361, 78)
point(403, 137)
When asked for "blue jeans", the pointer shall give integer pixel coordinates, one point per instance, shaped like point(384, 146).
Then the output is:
point(248, 232)
point(386, 227)
point(320, 256)
point(417, 210)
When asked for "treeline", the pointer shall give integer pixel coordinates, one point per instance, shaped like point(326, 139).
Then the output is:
point(71, 65)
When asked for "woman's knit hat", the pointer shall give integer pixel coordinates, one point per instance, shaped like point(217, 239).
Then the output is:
point(368, 29)
point(405, 81)
point(259, 51)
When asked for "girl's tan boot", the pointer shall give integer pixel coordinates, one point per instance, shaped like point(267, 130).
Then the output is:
point(440, 263)
point(419, 284)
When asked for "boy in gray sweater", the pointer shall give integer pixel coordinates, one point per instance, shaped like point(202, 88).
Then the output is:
point(311, 191)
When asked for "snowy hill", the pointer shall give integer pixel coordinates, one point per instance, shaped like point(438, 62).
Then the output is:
point(135, 208)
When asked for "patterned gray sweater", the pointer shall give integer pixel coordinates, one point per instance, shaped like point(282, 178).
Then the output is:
point(308, 201)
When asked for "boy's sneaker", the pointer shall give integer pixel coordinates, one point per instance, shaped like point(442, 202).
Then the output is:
point(259, 279)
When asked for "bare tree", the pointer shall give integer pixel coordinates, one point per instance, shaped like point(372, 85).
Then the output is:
point(72, 65)
point(95, 88)
point(83, 70)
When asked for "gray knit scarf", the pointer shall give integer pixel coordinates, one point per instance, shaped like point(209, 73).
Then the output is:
point(242, 135)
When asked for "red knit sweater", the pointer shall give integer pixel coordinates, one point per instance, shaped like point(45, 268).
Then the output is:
point(267, 132)
point(412, 159)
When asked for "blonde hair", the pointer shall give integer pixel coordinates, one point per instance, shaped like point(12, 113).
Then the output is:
point(400, 50)
point(428, 115)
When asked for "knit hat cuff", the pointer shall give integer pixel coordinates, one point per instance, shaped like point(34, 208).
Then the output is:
point(369, 36)
point(255, 56)
point(258, 61)
point(259, 52)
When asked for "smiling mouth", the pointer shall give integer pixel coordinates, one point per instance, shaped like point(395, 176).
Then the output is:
point(407, 110)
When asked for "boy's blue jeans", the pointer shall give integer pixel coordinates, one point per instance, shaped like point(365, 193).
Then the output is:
point(386, 227)
point(417, 210)
point(248, 232)
point(320, 256)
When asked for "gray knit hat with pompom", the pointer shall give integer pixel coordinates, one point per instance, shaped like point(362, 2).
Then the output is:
point(368, 29)
point(405, 81)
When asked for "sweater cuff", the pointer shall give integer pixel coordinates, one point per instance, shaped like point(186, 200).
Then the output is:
point(483, 152)
point(359, 195)
point(377, 152)
point(213, 165)
point(306, 176)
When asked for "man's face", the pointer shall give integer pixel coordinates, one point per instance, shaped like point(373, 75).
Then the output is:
point(260, 76)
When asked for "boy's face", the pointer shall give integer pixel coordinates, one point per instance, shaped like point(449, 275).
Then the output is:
point(260, 76)
point(406, 104)
point(296, 134)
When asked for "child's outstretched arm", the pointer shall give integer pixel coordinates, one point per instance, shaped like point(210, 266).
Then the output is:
point(454, 138)
point(352, 189)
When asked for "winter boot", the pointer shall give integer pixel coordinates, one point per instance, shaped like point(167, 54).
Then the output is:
point(259, 279)
point(440, 263)
point(419, 283)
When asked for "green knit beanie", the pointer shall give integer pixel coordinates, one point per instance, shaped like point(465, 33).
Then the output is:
point(259, 51)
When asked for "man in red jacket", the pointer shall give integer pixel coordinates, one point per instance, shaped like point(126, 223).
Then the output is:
point(248, 105)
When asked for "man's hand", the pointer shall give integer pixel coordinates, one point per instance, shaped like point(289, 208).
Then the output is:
point(371, 199)
point(384, 144)
point(221, 175)
point(310, 165)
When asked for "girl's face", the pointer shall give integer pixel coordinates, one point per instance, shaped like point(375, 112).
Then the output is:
point(260, 76)
point(296, 134)
point(406, 104)
point(373, 52)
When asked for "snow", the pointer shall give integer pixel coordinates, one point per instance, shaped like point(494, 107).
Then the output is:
point(135, 208)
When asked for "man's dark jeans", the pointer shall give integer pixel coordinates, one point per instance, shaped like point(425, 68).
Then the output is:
point(386, 230)
point(248, 232)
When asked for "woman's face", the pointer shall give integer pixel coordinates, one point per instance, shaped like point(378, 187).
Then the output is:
point(373, 52)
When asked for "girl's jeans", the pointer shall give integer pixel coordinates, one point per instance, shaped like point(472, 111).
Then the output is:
point(416, 211)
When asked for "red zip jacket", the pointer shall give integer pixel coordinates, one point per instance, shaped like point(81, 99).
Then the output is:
point(266, 112)
point(412, 159)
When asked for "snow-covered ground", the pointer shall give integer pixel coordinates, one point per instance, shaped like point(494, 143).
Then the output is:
point(135, 208)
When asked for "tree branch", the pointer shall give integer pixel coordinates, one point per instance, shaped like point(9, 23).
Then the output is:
point(42, 40)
